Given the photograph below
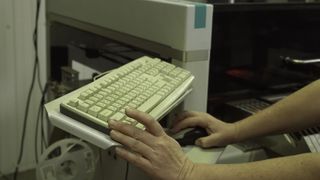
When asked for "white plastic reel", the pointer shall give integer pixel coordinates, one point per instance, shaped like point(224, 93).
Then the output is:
point(68, 159)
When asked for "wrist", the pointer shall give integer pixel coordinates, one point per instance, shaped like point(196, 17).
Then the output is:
point(237, 135)
point(187, 171)
point(199, 171)
point(241, 130)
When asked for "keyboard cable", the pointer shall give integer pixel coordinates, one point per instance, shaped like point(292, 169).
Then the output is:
point(101, 74)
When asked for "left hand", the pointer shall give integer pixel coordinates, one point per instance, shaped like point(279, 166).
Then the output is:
point(152, 150)
point(220, 133)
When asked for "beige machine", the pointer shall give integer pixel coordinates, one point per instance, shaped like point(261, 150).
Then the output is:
point(180, 30)
point(175, 30)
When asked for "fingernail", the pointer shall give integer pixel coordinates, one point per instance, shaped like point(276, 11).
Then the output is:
point(113, 133)
point(198, 142)
point(119, 150)
point(111, 122)
point(128, 109)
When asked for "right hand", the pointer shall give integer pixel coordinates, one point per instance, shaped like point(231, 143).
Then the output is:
point(220, 133)
point(152, 150)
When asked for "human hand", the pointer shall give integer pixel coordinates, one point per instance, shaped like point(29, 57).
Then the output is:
point(152, 149)
point(220, 133)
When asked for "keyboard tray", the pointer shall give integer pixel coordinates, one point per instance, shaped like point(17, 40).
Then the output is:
point(88, 125)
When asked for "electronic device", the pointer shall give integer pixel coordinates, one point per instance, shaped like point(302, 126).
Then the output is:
point(185, 44)
point(146, 84)
point(190, 135)
point(249, 41)
point(301, 141)
point(263, 59)
point(250, 106)
point(311, 136)
point(176, 31)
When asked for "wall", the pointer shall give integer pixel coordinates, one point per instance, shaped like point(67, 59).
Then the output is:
point(17, 19)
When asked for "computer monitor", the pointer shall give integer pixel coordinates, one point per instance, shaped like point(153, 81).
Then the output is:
point(248, 41)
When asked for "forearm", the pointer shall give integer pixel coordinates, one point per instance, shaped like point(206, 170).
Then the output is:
point(305, 166)
point(297, 111)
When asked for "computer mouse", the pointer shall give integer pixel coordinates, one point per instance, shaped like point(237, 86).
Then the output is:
point(190, 137)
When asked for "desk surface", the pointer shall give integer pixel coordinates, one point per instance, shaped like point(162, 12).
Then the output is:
point(223, 155)
point(200, 155)
point(219, 155)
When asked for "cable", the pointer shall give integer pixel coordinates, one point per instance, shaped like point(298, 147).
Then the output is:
point(40, 119)
point(101, 74)
point(25, 122)
point(35, 67)
point(35, 42)
point(36, 136)
point(127, 171)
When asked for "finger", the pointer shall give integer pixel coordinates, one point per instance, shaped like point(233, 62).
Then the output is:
point(133, 132)
point(190, 122)
point(208, 141)
point(184, 115)
point(151, 124)
point(134, 158)
point(134, 144)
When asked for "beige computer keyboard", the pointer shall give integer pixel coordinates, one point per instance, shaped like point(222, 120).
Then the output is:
point(147, 84)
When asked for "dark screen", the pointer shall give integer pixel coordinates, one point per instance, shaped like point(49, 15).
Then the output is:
point(248, 41)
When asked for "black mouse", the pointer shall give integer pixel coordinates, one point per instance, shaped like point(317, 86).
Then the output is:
point(190, 137)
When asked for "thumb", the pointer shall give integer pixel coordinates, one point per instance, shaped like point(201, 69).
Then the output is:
point(208, 141)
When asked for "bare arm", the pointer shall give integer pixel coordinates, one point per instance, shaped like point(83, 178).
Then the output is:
point(297, 111)
point(305, 166)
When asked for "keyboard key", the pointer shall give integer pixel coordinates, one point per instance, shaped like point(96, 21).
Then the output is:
point(112, 108)
point(90, 102)
point(150, 103)
point(130, 120)
point(83, 106)
point(94, 110)
point(73, 102)
point(94, 99)
point(84, 95)
point(140, 126)
point(98, 96)
point(102, 105)
point(104, 115)
point(117, 116)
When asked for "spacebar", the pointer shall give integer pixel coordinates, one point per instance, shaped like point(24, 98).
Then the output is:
point(150, 103)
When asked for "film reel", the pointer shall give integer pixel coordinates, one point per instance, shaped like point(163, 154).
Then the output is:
point(68, 159)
